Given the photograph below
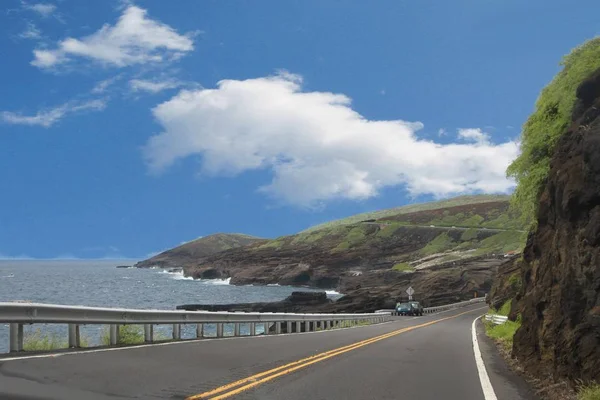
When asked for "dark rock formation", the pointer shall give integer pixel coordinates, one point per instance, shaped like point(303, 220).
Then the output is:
point(194, 250)
point(297, 302)
point(381, 290)
point(507, 283)
point(560, 299)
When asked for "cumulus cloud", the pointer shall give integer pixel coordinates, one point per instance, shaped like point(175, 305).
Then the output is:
point(474, 135)
point(153, 86)
point(316, 146)
point(134, 39)
point(49, 117)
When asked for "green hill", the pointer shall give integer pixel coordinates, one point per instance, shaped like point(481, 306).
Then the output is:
point(411, 208)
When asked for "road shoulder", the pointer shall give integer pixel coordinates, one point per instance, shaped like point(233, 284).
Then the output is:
point(507, 383)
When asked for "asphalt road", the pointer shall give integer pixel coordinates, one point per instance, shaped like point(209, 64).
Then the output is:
point(429, 357)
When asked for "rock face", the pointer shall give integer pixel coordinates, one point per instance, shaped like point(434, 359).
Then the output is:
point(296, 302)
point(560, 298)
point(507, 283)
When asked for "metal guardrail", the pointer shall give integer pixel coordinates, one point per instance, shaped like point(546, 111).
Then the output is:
point(18, 314)
point(496, 319)
point(431, 310)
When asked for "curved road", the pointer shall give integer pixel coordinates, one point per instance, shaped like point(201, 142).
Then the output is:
point(429, 357)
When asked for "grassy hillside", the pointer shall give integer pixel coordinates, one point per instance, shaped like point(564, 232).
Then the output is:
point(191, 251)
point(483, 226)
point(411, 208)
point(549, 121)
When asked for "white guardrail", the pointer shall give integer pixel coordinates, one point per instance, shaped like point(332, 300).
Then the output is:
point(431, 310)
point(496, 319)
point(19, 314)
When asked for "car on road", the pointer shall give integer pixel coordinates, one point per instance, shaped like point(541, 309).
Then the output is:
point(404, 309)
point(417, 307)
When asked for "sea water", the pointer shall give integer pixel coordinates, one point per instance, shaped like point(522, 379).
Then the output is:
point(99, 283)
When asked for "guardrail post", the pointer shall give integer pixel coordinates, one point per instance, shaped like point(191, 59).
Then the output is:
point(74, 338)
point(328, 325)
point(148, 333)
point(176, 332)
point(16, 337)
point(298, 327)
point(220, 330)
point(277, 328)
point(266, 328)
point(236, 329)
point(289, 327)
point(252, 329)
point(199, 331)
point(114, 334)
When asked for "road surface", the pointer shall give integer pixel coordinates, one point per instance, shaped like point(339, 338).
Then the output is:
point(429, 357)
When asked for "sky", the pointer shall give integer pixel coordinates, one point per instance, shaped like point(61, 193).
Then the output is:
point(129, 127)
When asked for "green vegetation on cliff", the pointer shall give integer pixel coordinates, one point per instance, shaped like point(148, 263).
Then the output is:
point(591, 392)
point(411, 208)
point(549, 121)
point(403, 267)
point(471, 226)
point(503, 333)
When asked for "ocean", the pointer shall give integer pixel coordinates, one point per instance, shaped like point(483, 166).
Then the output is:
point(100, 283)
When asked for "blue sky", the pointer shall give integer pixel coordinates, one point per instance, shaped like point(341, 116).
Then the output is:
point(129, 127)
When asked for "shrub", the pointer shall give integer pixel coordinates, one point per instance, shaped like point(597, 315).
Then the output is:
point(548, 122)
point(46, 341)
point(503, 333)
point(505, 309)
point(128, 334)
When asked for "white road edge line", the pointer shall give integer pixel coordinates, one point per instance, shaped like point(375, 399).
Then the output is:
point(486, 385)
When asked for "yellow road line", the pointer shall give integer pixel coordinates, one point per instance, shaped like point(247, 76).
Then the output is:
point(254, 377)
point(253, 381)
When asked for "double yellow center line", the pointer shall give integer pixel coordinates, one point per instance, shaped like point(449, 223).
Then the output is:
point(250, 382)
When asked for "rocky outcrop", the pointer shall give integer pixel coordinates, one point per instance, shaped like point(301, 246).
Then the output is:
point(560, 298)
point(296, 302)
point(190, 252)
point(507, 283)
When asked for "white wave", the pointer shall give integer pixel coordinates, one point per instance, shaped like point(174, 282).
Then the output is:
point(216, 281)
point(181, 277)
point(332, 293)
point(273, 284)
point(8, 276)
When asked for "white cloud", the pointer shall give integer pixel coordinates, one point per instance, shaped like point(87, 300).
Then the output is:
point(442, 132)
point(47, 118)
point(473, 135)
point(31, 32)
point(317, 147)
point(138, 85)
point(43, 9)
point(134, 39)
point(102, 86)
